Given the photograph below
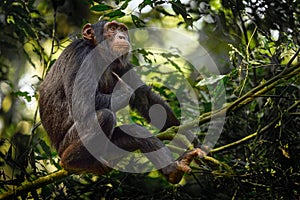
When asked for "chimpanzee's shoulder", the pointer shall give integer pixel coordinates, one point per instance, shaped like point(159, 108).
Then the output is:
point(75, 52)
point(78, 46)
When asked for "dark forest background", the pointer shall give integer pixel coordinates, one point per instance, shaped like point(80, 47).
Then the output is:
point(255, 45)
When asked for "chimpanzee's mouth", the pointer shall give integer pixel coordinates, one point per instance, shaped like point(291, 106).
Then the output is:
point(123, 46)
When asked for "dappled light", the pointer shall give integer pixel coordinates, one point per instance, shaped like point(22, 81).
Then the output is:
point(207, 95)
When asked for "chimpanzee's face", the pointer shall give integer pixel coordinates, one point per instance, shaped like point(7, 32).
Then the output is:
point(116, 36)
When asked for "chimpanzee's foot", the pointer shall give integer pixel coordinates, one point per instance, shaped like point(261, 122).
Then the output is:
point(175, 171)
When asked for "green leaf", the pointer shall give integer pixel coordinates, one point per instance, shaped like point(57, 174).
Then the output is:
point(115, 14)
point(29, 58)
point(135, 60)
point(163, 11)
point(144, 4)
point(137, 21)
point(124, 5)
point(23, 94)
point(210, 80)
point(180, 9)
point(101, 7)
point(159, 2)
point(46, 148)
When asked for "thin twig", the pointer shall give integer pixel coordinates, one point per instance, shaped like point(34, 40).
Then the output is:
point(222, 148)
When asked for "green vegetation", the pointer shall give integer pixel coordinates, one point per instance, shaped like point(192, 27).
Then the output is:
point(254, 44)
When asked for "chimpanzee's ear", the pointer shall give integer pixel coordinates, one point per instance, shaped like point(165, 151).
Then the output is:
point(88, 32)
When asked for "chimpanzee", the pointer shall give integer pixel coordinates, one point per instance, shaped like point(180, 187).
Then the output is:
point(106, 42)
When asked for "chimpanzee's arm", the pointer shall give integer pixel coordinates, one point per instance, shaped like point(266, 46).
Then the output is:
point(142, 102)
point(116, 101)
point(145, 98)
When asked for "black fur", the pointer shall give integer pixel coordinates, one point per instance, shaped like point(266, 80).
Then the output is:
point(56, 101)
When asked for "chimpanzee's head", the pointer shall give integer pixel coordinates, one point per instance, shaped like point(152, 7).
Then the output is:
point(113, 35)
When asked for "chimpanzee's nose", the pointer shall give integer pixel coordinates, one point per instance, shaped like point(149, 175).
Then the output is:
point(121, 36)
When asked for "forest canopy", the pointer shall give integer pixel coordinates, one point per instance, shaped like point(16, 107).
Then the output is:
point(239, 60)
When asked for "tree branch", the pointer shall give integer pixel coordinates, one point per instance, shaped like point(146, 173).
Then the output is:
point(222, 148)
point(240, 102)
point(40, 182)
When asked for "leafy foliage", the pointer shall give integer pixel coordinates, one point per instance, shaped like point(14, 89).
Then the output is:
point(257, 155)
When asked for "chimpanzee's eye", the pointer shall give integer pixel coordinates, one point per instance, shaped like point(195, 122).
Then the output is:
point(123, 28)
point(113, 27)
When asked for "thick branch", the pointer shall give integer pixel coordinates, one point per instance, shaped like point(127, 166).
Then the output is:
point(31, 185)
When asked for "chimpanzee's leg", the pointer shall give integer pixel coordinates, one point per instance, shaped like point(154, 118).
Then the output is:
point(76, 157)
point(74, 154)
point(133, 137)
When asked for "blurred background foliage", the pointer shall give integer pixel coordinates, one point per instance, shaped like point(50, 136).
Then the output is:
point(250, 41)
